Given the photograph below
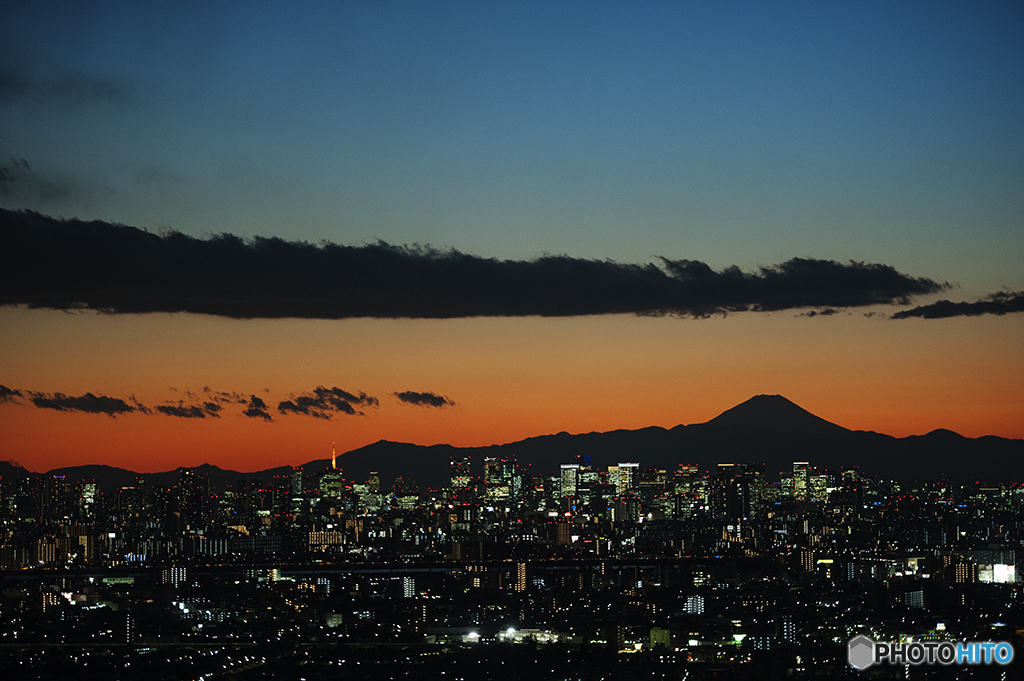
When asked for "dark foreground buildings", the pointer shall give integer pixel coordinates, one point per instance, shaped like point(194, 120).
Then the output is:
point(579, 573)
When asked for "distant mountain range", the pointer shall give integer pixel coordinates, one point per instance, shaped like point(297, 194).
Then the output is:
point(767, 430)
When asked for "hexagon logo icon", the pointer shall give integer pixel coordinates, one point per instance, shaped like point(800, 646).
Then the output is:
point(860, 652)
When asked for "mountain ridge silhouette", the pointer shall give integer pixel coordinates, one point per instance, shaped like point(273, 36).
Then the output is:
point(768, 430)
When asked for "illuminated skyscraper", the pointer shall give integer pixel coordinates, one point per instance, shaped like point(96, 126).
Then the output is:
point(570, 473)
point(461, 480)
point(497, 479)
point(586, 481)
point(817, 487)
point(298, 506)
point(627, 477)
point(460, 473)
point(87, 500)
point(801, 472)
point(683, 478)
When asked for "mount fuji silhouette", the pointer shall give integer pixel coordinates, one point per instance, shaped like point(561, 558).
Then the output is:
point(767, 430)
point(774, 412)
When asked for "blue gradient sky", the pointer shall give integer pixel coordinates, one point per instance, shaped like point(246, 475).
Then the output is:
point(736, 133)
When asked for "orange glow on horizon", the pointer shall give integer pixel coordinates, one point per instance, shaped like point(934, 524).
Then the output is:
point(510, 379)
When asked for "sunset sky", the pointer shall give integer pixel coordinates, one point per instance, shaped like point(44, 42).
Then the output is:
point(472, 223)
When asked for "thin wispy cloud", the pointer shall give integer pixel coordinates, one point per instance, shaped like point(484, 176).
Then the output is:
point(426, 399)
point(1004, 302)
point(221, 396)
point(69, 90)
point(200, 404)
point(827, 312)
point(50, 263)
point(21, 184)
point(9, 394)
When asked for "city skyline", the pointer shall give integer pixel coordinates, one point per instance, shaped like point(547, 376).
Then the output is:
point(803, 155)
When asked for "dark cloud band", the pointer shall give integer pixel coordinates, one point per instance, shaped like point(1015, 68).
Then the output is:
point(424, 399)
point(190, 411)
point(88, 403)
point(997, 303)
point(50, 263)
point(257, 409)
point(323, 403)
point(9, 394)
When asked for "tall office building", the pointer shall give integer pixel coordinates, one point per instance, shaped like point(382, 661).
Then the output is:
point(498, 475)
point(461, 480)
point(737, 491)
point(586, 483)
point(460, 473)
point(192, 495)
point(627, 475)
point(683, 478)
point(87, 500)
point(801, 487)
point(569, 476)
point(298, 508)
